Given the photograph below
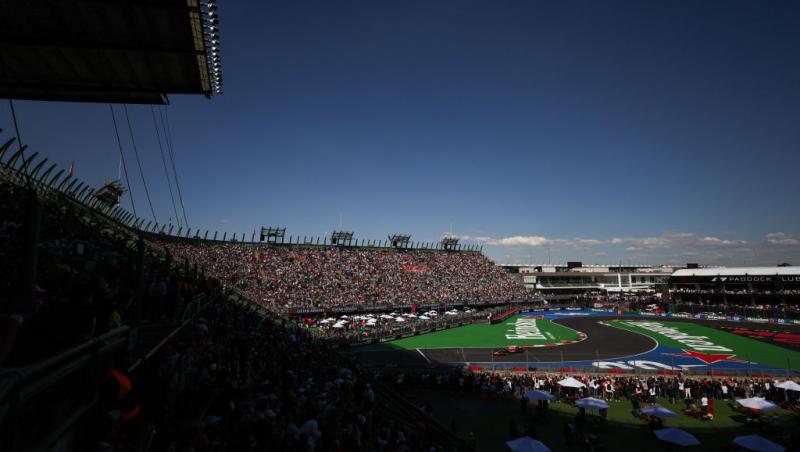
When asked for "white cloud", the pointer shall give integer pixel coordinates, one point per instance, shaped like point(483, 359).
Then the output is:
point(666, 240)
point(781, 238)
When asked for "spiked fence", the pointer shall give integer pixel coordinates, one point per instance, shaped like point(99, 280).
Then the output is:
point(24, 169)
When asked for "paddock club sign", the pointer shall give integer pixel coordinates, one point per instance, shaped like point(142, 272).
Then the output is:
point(737, 279)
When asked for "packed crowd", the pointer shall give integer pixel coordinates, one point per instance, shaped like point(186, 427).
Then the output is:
point(608, 387)
point(237, 380)
point(781, 310)
point(233, 379)
point(86, 281)
point(698, 394)
point(293, 277)
point(739, 291)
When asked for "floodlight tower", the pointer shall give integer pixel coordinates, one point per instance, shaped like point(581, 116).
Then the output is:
point(110, 193)
point(449, 242)
point(272, 235)
point(399, 240)
point(342, 238)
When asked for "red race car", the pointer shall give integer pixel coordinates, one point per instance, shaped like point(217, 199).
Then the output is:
point(511, 349)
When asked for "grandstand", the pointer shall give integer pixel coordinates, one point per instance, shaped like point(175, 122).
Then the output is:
point(772, 292)
point(307, 278)
point(122, 299)
point(122, 333)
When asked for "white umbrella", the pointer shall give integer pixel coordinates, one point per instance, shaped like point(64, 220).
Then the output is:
point(526, 444)
point(410, 315)
point(591, 403)
point(757, 403)
point(757, 443)
point(386, 316)
point(338, 325)
point(658, 411)
point(344, 317)
point(677, 436)
point(538, 395)
point(325, 321)
point(424, 317)
point(451, 313)
point(399, 319)
point(789, 385)
point(571, 383)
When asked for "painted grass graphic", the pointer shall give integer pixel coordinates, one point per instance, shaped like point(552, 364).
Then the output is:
point(516, 330)
point(697, 345)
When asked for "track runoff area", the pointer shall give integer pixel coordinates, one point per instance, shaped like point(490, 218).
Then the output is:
point(586, 339)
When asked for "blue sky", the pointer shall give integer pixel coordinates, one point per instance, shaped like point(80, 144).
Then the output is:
point(642, 132)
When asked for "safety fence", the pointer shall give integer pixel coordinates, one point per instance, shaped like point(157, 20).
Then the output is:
point(35, 173)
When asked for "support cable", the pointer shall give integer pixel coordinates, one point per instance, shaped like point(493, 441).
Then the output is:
point(168, 135)
point(164, 163)
point(16, 126)
point(122, 158)
point(28, 181)
point(139, 162)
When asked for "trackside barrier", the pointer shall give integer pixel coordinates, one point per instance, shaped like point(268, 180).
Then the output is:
point(555, 369)
point(504, 316)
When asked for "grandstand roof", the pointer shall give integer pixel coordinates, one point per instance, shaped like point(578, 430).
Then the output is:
point(134, 51)
point(737, 271)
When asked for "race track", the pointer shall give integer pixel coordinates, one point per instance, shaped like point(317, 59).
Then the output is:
point(603, 343)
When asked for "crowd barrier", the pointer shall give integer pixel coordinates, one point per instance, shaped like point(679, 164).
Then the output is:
point(40, 405)
point(700, 315)
point(504, 316)
point(44, 405)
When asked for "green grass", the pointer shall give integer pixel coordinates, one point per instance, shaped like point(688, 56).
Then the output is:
point(744, 348)
point(487, 418)
point(480, 335)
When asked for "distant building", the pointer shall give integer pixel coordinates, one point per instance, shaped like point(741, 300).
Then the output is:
point(737, 285)
point(576, 278)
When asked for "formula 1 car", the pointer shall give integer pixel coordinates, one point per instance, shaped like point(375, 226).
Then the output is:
point(510, 350)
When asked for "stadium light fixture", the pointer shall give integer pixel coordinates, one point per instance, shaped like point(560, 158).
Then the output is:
point(399, 240)
point(272, 235)
point(342, 238)
point(449, 242)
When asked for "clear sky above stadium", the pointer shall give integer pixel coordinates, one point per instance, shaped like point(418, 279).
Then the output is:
point(642, 132)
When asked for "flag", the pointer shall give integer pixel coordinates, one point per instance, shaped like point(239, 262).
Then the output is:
point(71, 169)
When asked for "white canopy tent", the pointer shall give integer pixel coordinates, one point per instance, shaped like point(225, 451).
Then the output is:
point(571, 383)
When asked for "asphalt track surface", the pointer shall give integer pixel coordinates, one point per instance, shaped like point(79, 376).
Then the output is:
point(603, 342)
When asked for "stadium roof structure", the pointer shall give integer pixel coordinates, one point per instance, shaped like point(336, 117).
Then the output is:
point(121, 51)
point(737, 271)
